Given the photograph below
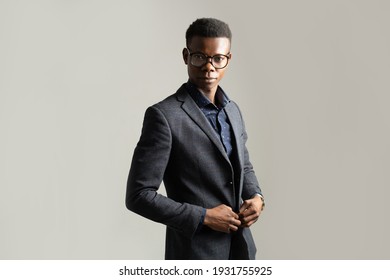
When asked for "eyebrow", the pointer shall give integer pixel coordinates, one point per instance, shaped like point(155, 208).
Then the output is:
point(199, 52)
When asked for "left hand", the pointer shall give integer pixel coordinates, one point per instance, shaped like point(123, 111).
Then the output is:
point(250, 211)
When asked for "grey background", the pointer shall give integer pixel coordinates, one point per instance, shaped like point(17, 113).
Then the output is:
point(312, 80)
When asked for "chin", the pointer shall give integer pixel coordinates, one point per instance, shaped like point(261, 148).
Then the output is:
point(208, 85)
point(207, 88)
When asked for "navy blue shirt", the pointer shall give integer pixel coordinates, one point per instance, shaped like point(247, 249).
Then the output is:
point(215, 114)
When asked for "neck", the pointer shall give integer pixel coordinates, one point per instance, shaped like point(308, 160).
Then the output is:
point(210, 94)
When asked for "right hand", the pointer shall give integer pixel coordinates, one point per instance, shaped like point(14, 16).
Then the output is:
point(222, 218)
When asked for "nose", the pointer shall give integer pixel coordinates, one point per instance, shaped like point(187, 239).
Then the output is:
point(208, 66)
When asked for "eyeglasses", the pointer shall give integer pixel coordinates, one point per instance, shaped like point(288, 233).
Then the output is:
point(219, 61)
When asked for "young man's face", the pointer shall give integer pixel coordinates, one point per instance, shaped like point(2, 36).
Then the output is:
point(206, 77)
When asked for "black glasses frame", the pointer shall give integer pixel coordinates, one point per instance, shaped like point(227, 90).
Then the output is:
point(207, 59)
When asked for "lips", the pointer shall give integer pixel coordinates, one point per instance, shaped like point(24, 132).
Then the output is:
point(207, 79)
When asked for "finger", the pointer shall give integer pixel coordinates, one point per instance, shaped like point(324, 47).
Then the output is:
point(251, 222)
point(232, 214)
point(248, 224)
point(248, 204)
point(248, 212)
point(232, 228)
point(246, 220)
point(234, 222)
point(244, 206)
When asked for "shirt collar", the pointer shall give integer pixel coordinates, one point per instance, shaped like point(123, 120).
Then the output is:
point(203, 101)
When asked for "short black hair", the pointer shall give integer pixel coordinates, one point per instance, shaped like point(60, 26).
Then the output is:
point(209, 28)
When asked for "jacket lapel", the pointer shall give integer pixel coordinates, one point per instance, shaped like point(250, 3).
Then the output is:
point(235, 121)
point(190, 107)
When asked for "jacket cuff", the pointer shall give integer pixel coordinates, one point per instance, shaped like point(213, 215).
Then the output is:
point(201, 220)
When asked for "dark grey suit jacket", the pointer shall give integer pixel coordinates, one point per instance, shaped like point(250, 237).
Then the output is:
point(179, 147)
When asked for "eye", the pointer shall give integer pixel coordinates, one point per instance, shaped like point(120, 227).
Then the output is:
point(219, 58)
point(198, 56)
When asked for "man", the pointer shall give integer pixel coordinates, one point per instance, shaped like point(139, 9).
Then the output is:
point(194, 141)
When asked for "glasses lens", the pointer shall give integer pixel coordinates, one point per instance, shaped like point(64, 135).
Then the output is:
point(218, 61)
point(198, 59)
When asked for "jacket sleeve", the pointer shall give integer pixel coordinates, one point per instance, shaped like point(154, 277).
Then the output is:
point(149, 162)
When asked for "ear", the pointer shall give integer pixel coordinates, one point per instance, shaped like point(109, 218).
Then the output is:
point(185, 55)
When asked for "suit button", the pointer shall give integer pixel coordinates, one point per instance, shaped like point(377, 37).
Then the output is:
point(230, 183)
